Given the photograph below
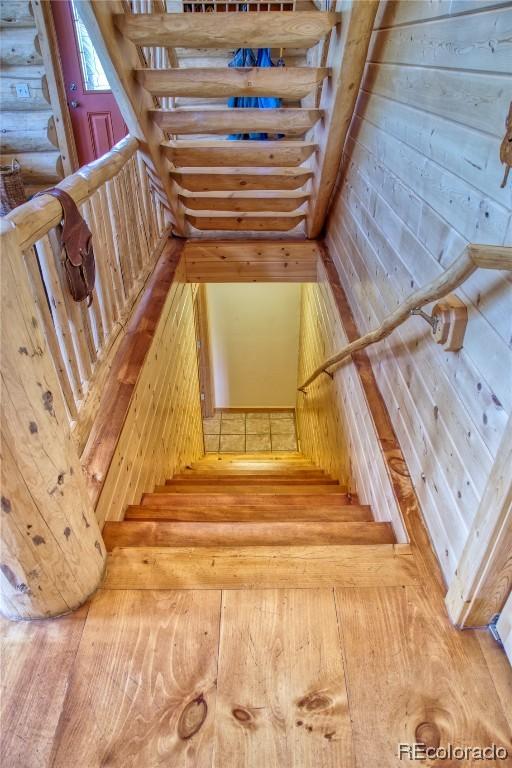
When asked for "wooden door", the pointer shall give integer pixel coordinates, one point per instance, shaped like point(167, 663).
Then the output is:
point(95, 117)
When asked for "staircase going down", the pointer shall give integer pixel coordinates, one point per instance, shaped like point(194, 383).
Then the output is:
point(252, 520)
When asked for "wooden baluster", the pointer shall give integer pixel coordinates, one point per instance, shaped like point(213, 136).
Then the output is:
point(52, 339)
point(142, 178)
point(58, 305)
point(73, 312)
point(102, 213)
point(95, 317)
point(102, 293)
point(120, 236)
point(141, 224)
point(125, 206)
point(59, 565)
point(128, 197)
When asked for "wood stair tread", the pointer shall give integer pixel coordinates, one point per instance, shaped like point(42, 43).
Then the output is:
point(244, 222)
point(291, 83)
point(244, 178)
point(291, 121)
point(240, 202)
point(366, 565)
point(248, 533)
point(290, 29)
point(204, 152)
point(233, 513)
point(202, 498)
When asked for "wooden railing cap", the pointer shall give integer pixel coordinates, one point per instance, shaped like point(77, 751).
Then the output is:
point(36, 217)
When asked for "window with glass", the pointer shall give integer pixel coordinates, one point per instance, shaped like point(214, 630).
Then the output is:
point(93, 73)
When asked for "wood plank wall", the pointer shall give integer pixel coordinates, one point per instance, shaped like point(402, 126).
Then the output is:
point(163, 429)
point(421, 178)
point(333, 419)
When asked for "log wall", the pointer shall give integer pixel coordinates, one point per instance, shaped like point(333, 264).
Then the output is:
point(28, 122)
point(420, 179)
point(334, 423)
point(162, 431)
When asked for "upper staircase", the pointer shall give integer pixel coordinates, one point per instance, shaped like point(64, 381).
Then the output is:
point(252, 520)
point(190, 93)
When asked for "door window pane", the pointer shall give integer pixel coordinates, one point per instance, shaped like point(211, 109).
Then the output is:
point(93, 73)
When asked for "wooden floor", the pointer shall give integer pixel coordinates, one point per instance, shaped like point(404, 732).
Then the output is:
point(261, 678)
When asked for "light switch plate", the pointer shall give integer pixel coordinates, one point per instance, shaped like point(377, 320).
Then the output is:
point(22, 91)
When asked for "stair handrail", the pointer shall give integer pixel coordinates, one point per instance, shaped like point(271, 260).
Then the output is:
point(473, 257)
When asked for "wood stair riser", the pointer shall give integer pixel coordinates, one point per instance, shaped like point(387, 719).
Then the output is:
point(235, 534)
point(243, 490)
point(248, 513)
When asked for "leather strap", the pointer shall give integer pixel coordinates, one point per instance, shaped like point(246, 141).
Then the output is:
point(76, 234)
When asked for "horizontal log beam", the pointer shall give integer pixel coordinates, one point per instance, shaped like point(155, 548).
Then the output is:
point(244, 222)
point(299, 29)
point(215, 82)
point(237, 202)
point(241, 153)
point(292, 122)
point(244, 261)
point(225, 179)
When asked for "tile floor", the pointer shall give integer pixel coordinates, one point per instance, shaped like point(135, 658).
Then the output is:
point(250, 432)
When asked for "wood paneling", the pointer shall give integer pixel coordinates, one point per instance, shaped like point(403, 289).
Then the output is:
point(250, 261)
point(421, 179)
point(162, 430)
point(334, 423)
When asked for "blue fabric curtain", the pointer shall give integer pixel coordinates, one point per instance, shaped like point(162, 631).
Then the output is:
point(244, 57)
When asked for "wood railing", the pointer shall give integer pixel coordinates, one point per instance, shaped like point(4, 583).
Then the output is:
point(472, 258)
point(120, 197)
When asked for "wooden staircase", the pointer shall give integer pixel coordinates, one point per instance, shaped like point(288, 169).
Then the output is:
point(252, 520)
point(230, 175)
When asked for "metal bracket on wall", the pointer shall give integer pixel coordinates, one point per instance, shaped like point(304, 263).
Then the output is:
point(448, 321)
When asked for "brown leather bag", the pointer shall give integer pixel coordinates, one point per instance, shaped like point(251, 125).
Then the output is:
point(77, 251)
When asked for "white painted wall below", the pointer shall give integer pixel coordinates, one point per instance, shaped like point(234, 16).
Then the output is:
point(254, 336)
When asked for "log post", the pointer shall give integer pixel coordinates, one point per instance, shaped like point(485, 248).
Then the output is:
point(52, 555)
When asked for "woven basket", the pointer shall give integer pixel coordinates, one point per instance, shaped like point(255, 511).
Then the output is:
point(12, 191)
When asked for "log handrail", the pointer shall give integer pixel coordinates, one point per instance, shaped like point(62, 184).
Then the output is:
point(36, 217)
point(473, 257)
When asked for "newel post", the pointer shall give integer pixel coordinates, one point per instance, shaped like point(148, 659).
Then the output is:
point(52, 555)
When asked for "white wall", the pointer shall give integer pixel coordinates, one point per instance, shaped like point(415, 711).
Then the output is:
point(254, 334)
